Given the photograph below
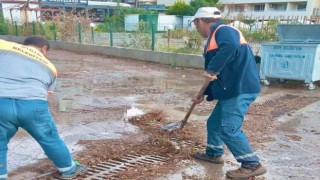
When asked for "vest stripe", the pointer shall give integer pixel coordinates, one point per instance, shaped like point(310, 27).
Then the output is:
point(212, 45)
point(28, 51)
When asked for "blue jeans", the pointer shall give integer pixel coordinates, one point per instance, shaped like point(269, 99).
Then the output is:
point(224, 127)
point(33, 116)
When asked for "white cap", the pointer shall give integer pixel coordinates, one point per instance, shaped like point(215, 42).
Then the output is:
point(207, 12)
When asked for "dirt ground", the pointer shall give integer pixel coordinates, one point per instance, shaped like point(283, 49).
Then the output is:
point(95, 94)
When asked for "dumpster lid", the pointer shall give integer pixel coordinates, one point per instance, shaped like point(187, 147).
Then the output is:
point(302, 33)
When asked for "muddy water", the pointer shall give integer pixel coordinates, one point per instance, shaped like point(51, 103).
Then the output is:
point(94, 93)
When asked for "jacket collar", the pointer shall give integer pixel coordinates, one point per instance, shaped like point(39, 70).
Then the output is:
point(214, 26)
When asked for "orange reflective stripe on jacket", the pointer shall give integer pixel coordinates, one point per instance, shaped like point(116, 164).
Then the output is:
point(213, 43)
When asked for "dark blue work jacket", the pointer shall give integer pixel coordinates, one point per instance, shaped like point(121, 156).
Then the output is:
point(228, 55)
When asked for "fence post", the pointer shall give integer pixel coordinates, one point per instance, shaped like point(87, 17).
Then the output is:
point(33, 28)
point(5, 31)
point(41, 31)
point(79, 31)
point(152, 36)
point(111, 35)
point(54, 31)
point(92, 25)
point(169, 36)
point(17, 30)
point(92, 35)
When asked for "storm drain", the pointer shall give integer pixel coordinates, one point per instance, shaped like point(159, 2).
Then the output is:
point(109, 169)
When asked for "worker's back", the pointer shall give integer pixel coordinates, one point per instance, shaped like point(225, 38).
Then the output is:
point(24, 72)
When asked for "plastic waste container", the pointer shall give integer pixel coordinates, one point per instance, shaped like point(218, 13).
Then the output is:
point(295, 57)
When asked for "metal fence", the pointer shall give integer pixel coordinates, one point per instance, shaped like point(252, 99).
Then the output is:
point(180, 39)
point(143, 37)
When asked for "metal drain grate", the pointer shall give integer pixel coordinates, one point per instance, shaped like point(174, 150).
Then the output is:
point(110, 168)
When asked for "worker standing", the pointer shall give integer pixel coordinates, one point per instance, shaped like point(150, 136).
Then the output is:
point(231, 68)
point(27, 77)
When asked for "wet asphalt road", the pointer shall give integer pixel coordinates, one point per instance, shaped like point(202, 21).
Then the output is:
point(94, 93)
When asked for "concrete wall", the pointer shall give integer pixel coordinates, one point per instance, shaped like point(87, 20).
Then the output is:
point(315, 6)
point(174, 59)
point(165, 22)
point(186, 21)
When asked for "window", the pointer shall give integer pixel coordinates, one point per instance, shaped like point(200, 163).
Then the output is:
point(258, 7)
point(238, 8)
point(302, 7)
point(272, 5)
point(278, 6)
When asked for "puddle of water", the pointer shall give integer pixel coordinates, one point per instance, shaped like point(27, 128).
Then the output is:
point(165, 83)
point(65, 105)
point(199, 170)
point(83, 102)
point(133, 111)
point(290, 126)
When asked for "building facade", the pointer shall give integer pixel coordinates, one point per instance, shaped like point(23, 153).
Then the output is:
point(270, 8)
point(136, 3)
point(168, 3)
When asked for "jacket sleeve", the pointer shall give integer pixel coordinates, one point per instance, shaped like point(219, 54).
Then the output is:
point(228, 41)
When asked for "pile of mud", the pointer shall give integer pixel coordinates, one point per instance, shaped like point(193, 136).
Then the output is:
point(152, 140)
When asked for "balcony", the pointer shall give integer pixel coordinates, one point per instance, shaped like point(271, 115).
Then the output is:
point(267, 14)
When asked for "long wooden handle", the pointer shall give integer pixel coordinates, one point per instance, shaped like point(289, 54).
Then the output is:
point(199, 95)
